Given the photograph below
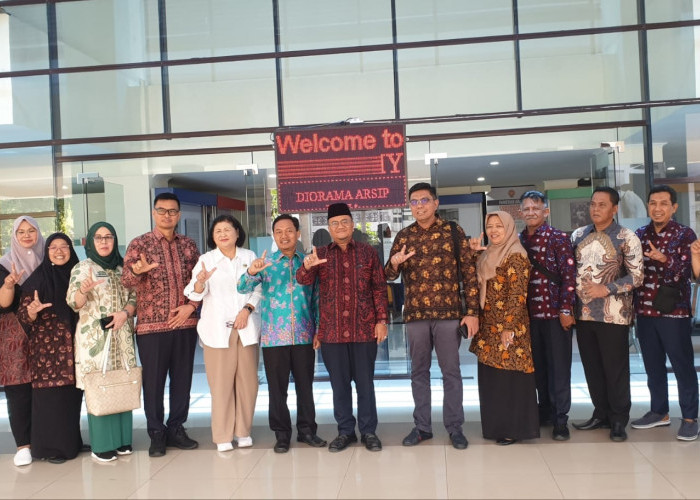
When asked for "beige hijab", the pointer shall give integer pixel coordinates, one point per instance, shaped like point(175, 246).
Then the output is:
point(494, 255)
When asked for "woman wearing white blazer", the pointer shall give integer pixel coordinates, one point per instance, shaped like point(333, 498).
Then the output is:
point(229, 332)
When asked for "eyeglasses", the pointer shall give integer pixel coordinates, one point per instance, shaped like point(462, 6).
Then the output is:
point(106, 238)
point(171, 212)
point(422, 201)
point(344, 223)
point(528, 210)
point(22, 232)
point(61, 248)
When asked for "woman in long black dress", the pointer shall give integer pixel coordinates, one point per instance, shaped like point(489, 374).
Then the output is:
point(50, 326)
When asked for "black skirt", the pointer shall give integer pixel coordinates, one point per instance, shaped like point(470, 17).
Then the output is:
point(56, 422)
point(508, 401)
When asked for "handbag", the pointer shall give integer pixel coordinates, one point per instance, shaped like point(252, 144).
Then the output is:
point(666, 299)
point(461, 329)
point(112, 391)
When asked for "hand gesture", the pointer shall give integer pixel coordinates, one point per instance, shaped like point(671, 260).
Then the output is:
point(477, 244)
point(258, 264)
point(13, 278)
point(400, 257)
point(88, 284)
point(312, 259)
point(179, 315)
point(204, 275)
point(35, 306)
point(656, 254)
point(142, 266)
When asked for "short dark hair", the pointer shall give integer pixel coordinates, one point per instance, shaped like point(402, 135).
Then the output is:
point(614, 195)
point(166, 196)
point(663, 188)
point(423, 186)
point(280, 217)
point(534, 195)
point(231, 220)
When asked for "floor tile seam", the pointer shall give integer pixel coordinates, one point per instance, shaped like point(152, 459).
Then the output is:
point(661, 472)
point(344, 477)
point(549, 468)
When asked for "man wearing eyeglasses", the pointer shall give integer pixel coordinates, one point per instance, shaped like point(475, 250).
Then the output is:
point(353, 310)
point(423, 254)
point(551, 296)
point(158, 265)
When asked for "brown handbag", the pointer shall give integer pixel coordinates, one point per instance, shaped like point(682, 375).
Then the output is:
point(112, 391)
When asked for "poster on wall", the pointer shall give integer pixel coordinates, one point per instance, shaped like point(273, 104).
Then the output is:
point(363, 166)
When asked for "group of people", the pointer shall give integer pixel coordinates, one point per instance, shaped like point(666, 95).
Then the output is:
point(517, 299)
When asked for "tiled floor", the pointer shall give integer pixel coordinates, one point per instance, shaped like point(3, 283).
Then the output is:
point(651, 464)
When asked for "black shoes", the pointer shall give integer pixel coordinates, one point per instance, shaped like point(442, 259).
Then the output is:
point(592, 424)
point(341, 442)
point(506, 441)
point(560, 432)
point(459, 441)
point(311, 440)
point(281, 446)
point(179, 439)
point(416, 436)
point(125, 450)
point(157, 448)
point(371, 442)
point(617, 433)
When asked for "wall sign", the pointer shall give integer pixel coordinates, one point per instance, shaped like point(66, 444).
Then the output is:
point(363, 166)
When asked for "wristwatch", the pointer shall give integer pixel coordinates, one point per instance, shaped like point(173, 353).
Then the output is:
point(249, 307)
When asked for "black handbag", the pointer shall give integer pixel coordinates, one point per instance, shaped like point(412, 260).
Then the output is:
point(666, 299)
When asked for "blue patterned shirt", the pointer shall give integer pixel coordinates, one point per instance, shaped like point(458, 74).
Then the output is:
point(289, 310)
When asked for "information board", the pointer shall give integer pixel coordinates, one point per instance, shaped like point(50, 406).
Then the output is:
point(363, 166)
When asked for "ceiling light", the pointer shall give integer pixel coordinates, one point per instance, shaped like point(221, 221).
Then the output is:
point(272, 176)
point(494, 163)
point(670, 169)
point(481, 179)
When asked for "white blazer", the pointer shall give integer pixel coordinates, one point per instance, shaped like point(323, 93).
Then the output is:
point(221, 301)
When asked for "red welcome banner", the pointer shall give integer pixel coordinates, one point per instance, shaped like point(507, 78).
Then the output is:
point(363, 166)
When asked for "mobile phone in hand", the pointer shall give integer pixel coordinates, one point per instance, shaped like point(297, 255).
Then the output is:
point(106, 321)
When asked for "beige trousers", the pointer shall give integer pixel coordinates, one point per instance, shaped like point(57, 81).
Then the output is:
point(232, 374)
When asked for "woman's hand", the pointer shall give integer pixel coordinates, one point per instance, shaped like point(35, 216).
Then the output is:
point(13, 278)
point(118, 320)
point(88, 284)
point(477, 244)
point(241, 320)
point(507, 337)
point(36, 306)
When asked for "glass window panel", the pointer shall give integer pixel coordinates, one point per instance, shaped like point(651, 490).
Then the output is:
point(444, 19)
point(27, 181)
point(457, 79)
point(676, 133)
point(333, 88)
point(218, 28)
point(312, 24)
point(674, 60)
point(98, 32)
point(580, 70)
point(223, 96)
point(23, 38)
point(659, 11)
point(24, 109)
point(124, 102)
point(557, 15)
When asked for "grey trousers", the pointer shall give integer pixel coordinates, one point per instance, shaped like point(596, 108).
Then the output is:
point(443, 336)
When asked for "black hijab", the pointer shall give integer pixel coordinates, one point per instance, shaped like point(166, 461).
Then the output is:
point(51, 281)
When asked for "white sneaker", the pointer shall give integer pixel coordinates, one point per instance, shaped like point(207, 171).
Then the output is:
point(244, 442)
point(23, 457)
point(224, 447)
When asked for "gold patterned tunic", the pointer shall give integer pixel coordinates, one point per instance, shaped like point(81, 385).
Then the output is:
point(506, 309)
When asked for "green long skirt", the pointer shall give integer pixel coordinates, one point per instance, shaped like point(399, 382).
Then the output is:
point(110, 432)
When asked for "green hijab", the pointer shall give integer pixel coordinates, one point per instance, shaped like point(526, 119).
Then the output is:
point(114, 259)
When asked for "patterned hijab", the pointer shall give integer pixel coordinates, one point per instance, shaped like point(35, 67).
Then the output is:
point(494, 254)
point(27, 259)
point(51, 281)
point(112, 260)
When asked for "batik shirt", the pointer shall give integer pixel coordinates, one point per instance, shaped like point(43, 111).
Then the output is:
point(352, 292)
point(289, 310)
point(612, 257)
point(551, 248)
point(674, 242)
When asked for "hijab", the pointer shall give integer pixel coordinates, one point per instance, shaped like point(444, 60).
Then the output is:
point(494, 254)
point(51, 281)
point(112, 260)
point(24, 259)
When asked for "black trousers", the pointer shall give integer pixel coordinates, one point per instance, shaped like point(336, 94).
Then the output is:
point(659, 337)
point(163, 355)
point(551, 353)
point(604, 349)
point(279, 362)
point(347, 363)
point(19, 410)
